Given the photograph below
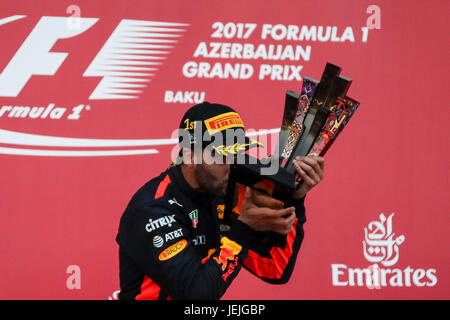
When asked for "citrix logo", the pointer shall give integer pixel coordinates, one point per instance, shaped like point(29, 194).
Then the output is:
point(126, 61)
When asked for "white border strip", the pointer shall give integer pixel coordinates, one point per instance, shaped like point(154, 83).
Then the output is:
point(74, 153)
point(11, 19)
point(27, 139)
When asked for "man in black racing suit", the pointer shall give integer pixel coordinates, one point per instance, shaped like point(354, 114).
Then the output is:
point(173, 243)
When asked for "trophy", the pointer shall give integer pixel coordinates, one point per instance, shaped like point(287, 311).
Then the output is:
point(312, 120)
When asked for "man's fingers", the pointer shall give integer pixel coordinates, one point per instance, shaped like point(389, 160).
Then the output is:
point(284, 225)
point(306, 178)
point(267, 219)
point(311, 159)
point(290, 221)
point(307, 173)
point(248, 198)
point(285, 211)
point(248, 193)
point(274, 213)
point(280, 221)
point(317, 163)
point(265, 201)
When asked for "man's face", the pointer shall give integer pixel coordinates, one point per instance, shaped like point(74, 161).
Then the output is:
point(212, 177)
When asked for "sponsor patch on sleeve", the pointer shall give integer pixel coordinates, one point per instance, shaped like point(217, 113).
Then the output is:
point(173, 250)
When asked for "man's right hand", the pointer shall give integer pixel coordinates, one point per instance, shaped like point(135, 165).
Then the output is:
point(263, 213)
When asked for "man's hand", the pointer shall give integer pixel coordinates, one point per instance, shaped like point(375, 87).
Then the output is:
point(310, 169)
point(263, 213)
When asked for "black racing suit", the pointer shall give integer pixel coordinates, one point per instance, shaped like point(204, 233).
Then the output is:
point(174, 246)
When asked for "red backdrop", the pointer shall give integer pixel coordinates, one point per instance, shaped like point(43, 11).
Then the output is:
point(61, 199)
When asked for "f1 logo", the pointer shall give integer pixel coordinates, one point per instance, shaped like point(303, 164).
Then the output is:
point(34, 56)
point(125, 62)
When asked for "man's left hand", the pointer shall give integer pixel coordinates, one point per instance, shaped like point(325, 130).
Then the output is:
point(310, 169)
